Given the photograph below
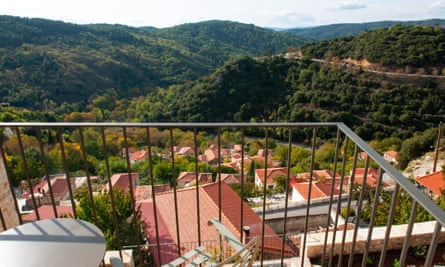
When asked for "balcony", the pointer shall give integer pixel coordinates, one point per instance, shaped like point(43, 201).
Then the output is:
point(344, 211)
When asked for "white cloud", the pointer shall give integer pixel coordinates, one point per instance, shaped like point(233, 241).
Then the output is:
point(437, 5)
point(436, 8)
point(348, 5)
point(290, 20)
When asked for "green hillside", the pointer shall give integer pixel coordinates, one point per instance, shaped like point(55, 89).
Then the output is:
point(205, 72)
point(51, 62)
point(419, 46)
point(280, 90)
point(348, 29)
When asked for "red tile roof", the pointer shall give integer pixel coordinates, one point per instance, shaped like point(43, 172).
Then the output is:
point(211, 153)
point(434, 182)
point(59, 187)
point(185, 178)
point(187, 213)
point(303, 190)
point(47, 212)
point(317, 175)
point(371, 178)
point(232, 178)
point(391, 154)
point(144, 191)
point(271, 174)
point(188, 150)
point(121, 181)
point(139, 155)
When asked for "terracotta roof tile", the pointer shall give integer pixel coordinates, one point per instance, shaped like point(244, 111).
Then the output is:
point(271, 173)
point(232, 178)
point(303, 190)
point(371, 178)
point(433, 182)
point(139, 155)
point(208, 208)
point(121, 181)
point(47, 212)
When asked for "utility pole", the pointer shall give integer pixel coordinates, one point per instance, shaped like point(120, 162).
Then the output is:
point(436, 152)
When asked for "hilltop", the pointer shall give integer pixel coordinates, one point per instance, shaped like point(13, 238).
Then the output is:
point(221, 71)
point(332, 31)
point(57, 62)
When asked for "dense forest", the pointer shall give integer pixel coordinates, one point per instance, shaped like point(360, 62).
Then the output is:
point(45, 63)
point(276, 89)
point(418, 46)
point(205, 72)
point(332, 31)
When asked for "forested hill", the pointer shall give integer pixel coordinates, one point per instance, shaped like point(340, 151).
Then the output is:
point(418, 46)
point(349, 29)
point(51, 62)
point(282, 90)
point(275, 89)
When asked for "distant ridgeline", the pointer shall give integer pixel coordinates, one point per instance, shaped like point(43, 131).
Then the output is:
point(63, 62)
point(205, 72)
point(332, 31)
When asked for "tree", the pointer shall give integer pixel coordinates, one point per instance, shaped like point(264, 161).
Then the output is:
point(251, 172)
point(105, 221)
point(280, 182)
point(163, 172)
point(73, 157)
point(117, 165)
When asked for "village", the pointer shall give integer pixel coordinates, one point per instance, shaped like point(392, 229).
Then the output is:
point(316, 188)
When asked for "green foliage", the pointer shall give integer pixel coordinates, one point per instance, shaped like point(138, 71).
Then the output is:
point(399, 45)
point(419, 251)
point(116, 164)
point(347, 213)
point(416, 146)
point(74, 160)
point(346, 29)
point(281, 182)
point(163, 172)
point(61, 62)
point(104, 211)
point(249, 190)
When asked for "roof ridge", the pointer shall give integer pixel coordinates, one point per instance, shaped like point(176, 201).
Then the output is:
point(214, 202)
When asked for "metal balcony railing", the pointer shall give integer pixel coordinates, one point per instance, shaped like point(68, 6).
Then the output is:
point(305, 226)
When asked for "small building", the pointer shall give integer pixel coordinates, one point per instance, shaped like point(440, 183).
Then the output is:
point(186, 179)
point(372, 177)
point(121, 181)
point(268, 177)
point(432, 184)
point(138, 156)
point(186, 151)
point(321, 185)
point(391, 156)
point(232, 178)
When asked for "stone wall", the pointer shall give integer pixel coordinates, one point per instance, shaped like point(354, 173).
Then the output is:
point(296, 224)
point(421, 235)
point(6, 200)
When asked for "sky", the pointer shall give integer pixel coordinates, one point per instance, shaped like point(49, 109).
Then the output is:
point(275, 13)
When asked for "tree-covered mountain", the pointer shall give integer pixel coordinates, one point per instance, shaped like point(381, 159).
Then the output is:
point(280, 90)
point(46, 63)
point(171, 75)
point(419, 46)
point(349, 29)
